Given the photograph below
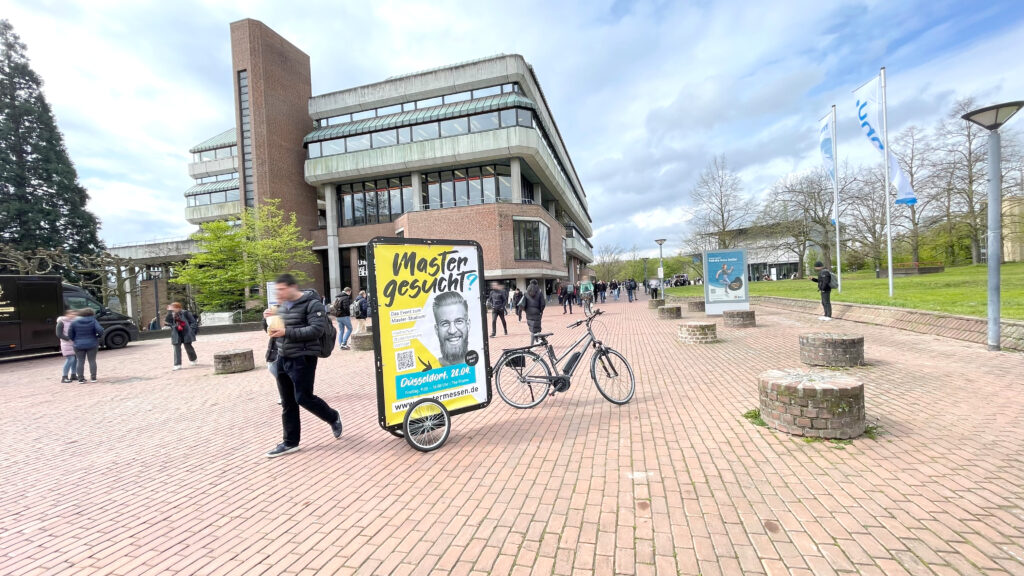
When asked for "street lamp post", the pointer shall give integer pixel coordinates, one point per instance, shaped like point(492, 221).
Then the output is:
point(155, 274)
point(992, 118)
point(661, 267)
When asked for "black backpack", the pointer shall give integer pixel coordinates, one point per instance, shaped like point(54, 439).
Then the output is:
point(328, 337)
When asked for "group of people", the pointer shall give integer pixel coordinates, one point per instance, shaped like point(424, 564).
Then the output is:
point(344, 309)
point(532, 302)
point(80, 334)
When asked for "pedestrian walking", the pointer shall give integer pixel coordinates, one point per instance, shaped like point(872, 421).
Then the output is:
point(85, 333)
point(302, 321)
point(183, 333)
point(67, 348)
point(825, 281)
point(630, 288)
point(342, 310)
point(614, 287)
point(498, 300)
point(533, 304)
point(517, 303)
point(361, 308)
point(565, 296)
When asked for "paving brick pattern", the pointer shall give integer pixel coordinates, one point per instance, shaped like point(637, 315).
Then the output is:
point(157, 472)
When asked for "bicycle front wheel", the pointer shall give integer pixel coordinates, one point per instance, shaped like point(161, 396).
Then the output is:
point(613, 376)
point(522, 379)
point(427, 425)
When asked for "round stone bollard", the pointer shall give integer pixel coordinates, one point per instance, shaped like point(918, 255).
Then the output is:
point(655, 303)
point(362, 341)
point(818, 404)
point(698, 332)
point(832, 350)
point(695, 306)
point(739, 318)
point(669, 312)
point(232, 361)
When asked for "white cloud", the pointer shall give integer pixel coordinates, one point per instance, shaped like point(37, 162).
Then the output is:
point(645, 92)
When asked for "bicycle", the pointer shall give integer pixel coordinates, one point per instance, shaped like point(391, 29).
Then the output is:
point(588, 303)
point(524, 378)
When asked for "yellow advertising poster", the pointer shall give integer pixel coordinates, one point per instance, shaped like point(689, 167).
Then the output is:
point(429, 325)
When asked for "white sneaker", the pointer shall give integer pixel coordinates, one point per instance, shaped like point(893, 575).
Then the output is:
point(827, 318)
point(176, 368)
point(194, 363)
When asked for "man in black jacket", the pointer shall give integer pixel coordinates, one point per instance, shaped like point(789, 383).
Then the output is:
point(499, 301)
point(298, 349)
point(824, 280)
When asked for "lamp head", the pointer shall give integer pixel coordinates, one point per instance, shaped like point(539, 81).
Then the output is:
point(992, 117)
point(660, 241)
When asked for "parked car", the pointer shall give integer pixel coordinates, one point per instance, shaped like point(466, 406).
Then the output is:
point(680, 280)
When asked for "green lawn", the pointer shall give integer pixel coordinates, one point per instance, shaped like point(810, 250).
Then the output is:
point(960, 290)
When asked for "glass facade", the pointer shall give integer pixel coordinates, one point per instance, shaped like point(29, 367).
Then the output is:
point(375, 201)
point(532, 240)
point(218, 178)
point(215, 154)
point(213, 198)
point(422, 132)
point(420, 104)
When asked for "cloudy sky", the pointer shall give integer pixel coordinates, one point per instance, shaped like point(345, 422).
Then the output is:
point(645, 93)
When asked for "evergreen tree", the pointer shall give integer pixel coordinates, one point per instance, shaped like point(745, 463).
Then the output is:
point(42, 205)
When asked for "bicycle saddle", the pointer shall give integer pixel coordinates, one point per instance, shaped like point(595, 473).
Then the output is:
point(545, 335)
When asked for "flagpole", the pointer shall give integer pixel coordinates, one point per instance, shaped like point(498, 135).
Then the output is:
point(885, 154)
point(835, 189)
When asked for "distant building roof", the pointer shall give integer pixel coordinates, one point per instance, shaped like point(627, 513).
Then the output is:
point(224, 139)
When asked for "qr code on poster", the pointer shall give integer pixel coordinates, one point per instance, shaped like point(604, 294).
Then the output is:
point(405, 360)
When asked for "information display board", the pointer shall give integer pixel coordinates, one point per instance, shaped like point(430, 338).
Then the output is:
point(725, 281)
point(430, 332)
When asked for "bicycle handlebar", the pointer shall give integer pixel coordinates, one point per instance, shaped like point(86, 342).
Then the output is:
point(587, 320)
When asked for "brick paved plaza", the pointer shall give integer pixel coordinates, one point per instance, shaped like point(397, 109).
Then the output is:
point(154, 472)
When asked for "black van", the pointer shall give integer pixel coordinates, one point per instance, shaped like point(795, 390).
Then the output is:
point(30, 306)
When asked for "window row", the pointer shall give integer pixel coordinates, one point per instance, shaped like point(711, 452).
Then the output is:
point(384, 200)
point(419, 104)
point(218, 178)
point(215, 154)
point(375, 201)
point(531, 240)
point(421, 132)
point(213, 198)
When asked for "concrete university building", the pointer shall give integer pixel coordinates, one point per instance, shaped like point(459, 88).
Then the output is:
point(469, 151)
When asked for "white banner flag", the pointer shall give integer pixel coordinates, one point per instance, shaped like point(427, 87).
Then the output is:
point(825, 143)
point(869, 116)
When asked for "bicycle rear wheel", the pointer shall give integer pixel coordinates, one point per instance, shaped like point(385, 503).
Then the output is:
point(613, 376)
point(522, 379)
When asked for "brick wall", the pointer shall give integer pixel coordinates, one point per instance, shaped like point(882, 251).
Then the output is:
point(959, 327)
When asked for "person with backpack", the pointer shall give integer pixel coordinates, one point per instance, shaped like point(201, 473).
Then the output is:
point(303, 322)
point(566, 296)
point(342, 310)
point(85, 333)
point(630, 288)
point(183, 326)
point(67, 349)
point(361, 310)
point(826, 282)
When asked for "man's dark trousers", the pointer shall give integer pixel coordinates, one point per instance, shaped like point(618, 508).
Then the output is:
point(826, 302)
point(494, 321)
point(295, 385)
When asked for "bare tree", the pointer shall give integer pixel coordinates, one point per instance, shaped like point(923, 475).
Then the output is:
point(719, 205)
point(865, 215)
point(916, 156)
point(801, 205)
point(608, 263)
point(963, 147)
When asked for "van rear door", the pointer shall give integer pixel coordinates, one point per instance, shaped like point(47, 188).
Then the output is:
point(40, 306)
